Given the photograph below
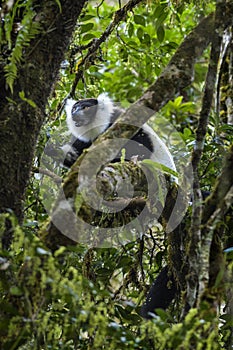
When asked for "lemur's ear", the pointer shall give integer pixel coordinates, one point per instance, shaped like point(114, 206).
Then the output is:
point(105, 104)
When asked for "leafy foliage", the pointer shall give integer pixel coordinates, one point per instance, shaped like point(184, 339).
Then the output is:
point(27, 29)
point(82, 313)
point(134, 55)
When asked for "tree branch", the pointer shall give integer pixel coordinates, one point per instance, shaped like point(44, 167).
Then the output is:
point(197, 258)
point(194, 233)
point(57, 179)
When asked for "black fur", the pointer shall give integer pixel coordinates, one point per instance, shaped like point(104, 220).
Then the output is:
point(161, 293)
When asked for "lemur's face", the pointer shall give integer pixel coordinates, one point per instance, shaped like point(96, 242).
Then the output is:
point(83, 112)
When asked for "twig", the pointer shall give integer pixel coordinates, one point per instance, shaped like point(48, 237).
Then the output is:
point(118, 17)
point(57, 179)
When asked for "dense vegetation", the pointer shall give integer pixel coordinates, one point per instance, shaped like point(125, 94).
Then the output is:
point(57, 293)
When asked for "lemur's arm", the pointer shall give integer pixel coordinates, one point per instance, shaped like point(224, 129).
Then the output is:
point(73, 150)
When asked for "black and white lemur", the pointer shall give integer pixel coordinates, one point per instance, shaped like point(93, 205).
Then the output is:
point(86, 120)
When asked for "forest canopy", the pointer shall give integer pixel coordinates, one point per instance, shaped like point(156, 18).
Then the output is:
point(130, 254)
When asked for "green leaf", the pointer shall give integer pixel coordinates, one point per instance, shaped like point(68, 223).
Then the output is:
point(88, 37)
point(104, 272)
point(138, 19)
point(14, 290)
point(180, 9)
point(161, 18)
point(160, 9)
point(133, 93)
point(124, 261)
point(187, 133)
point(28, 100)
point(140, 33)
point(86, 27)
point(146, 39)
point(158, 166)
point(178, 101)
point(87, 17)
point(132, 43)
point(135, 319)
point(160, 33)
point(170, 46)
point(122, 312)
point(59, 5)
point(130, 29)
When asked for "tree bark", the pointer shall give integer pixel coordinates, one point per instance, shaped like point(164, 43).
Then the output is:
point(20, 122)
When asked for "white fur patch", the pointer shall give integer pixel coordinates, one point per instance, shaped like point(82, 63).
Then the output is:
point(89, 132)
point(68, 108)
point(161, 153)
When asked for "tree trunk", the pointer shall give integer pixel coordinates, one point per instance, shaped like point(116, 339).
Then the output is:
point(21, 122)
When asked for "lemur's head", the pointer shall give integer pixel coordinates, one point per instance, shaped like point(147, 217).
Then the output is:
point(83, 112)
point(88, 118)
